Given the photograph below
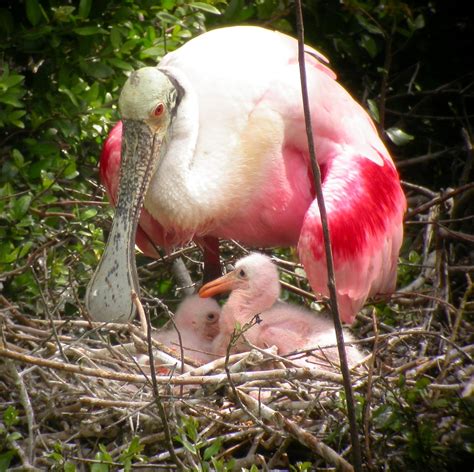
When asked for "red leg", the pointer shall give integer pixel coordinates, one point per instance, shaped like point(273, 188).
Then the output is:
point(212, 263)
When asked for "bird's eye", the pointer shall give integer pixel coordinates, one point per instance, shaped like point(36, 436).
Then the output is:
point(160, 108)
point(211, 316)
point(242, 273)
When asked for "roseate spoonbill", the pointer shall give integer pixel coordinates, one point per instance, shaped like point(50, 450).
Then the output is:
point(213, 145)
point(197, 320)
point(255, 288)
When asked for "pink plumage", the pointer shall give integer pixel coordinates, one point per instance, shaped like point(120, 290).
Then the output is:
point(237, 163)
point(197, 321)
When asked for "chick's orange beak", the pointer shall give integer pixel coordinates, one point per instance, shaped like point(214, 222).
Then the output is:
point(226, 283)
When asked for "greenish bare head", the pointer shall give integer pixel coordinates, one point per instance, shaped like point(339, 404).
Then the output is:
point(149, 95)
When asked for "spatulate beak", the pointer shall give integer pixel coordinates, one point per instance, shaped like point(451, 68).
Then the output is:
point(223, 284)
point(108, 296)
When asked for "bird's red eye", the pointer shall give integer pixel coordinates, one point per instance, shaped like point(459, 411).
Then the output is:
point(160, 108)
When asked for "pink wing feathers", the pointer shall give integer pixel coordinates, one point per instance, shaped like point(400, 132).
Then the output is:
point(365, 206)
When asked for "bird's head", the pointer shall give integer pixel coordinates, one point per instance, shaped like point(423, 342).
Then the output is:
point(149, 96)
point(148, 104)
point(255, 278)
point(200, 314)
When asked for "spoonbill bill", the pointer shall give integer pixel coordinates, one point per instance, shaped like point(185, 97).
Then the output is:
point(212, 144)
point(255, 287)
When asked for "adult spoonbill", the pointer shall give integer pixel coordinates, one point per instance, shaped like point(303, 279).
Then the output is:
point(213, 145)
point(255, 288)
point(197, 320)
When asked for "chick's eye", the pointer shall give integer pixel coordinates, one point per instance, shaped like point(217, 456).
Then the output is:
point(211, 316)
point(160, 108)
point(242, 273)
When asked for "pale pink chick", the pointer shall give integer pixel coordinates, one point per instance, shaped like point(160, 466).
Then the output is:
point(197, 320)
point(255, 287)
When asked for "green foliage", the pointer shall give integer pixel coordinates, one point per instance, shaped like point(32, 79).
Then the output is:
point(301, 467)
point(132, 454)
point(408, 268)
point(8, 436)
point(203, 455)
point(408, 419)
point(11, 94)
point(60, 462)
point(104, 460)
point(61, 68)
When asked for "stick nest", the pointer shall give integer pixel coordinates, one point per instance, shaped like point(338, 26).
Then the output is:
point(73, 395)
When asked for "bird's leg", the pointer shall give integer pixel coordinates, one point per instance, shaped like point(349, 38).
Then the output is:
point(212, 263)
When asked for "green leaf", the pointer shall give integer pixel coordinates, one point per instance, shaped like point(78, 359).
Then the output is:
point(11, 99)
point(15, 436)
point(100, 468)
point(98, 70)
point(69, 467)
point(8, 253)
point(85, 8)
point(115, 37)
point(205, 7)
point(120, 64)
point(64, 13)
point(89, 30)
point(213, 449)
point(33, 11)
point(418, 23)
point(368, 43)
point(154, 51)
point(71, 96)
point(189, 446)
point(10, 416)
point(88, 214)
point(70, 172)
point(6, 22)
point(168, 4)
point(25, 249)
point(398, 136)
point(5, 459)
point(369, 26)
point(374, 110)
point(21, 206)
point(13, 80)
point(14, 118)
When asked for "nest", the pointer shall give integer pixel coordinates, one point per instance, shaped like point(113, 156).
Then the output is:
point(77, 394)
point(84, 394)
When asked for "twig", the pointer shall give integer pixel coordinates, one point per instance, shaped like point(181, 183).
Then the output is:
point(426, 157)
point(356, 450)
point(437, 200)
point(304, 437)
point(467, 170)
point(185, 283)
point(241, 377)
point(156, 392)
point(235, 336)
point(368, 396)
point(30, 416)
point(48, 315)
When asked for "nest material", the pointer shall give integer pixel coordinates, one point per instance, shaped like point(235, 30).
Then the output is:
point(79, 385)
point(72, 392)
